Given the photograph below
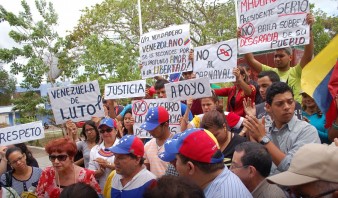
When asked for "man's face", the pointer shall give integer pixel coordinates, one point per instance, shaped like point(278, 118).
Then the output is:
point(182, 168)
point(282, 108)
point(158, 131)
point(161, 93)
point(207, 105)
point(187, 75)
point(263, 84)
point(125, 165)
point(237, 167)
point(282, 59)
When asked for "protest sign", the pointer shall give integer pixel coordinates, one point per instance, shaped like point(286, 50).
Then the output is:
point(21, 133)
point(183, 90)
point(76, 102)
point(216, 61)
point(165, 51)
point(125, 89)
point(140, 110)
point(272, 24)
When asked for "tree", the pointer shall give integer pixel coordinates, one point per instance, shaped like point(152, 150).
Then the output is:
point(38, 42)
point(106, 38)
point(7, 87)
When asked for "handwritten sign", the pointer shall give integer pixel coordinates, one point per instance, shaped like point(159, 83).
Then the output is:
point(76, 102)
point(183, 90)
point(165, 51)
point(216, 61)
point(125, 89)
point(21, 133)
point(140, 110)
point(272, 24)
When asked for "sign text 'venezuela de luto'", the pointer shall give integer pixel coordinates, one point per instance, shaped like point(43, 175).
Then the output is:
point(21, 133)
point(125, 89)
point(165, 51)
point(140, 110)
point(216, 61)
point(272, 24)
point(76, 102)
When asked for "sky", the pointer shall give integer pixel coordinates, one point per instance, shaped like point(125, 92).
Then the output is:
point(69, 12)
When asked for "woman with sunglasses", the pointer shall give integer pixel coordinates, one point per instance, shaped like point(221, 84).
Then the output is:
point(101, 159)
point(63, 171)
point(22, 176)
point(92, 138)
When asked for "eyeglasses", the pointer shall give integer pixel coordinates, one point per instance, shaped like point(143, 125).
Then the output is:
point(279, 55)
point(60, 158)
point(17, 160)
point(233, 166)
point(88, 130)
point(108, 130)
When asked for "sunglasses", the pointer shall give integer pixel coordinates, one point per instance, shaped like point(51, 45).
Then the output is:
point(108, 130)
point(60, 158)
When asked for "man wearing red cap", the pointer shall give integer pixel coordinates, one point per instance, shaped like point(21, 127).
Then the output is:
point(130, 178)
point(200, 159)
point(157, 124)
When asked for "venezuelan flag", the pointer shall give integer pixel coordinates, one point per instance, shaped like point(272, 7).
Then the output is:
point(320, 80)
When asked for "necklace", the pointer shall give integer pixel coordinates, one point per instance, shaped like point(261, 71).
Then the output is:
point(58, 184)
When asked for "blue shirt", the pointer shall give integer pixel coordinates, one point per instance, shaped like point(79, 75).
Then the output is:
point(319, 123)
point(183, 108)
point(226, 184)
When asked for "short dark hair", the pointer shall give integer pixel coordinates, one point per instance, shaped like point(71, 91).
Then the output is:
point(204, 167)
point(255, 155)
point(172, 186)
point(277, 88)
point(214, 119)
point(159, 84)
point(273, 76)
point(78, 190)
point(135, 157)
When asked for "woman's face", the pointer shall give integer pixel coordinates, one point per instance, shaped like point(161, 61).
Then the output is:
point(308, 101)
point(219, 133)
point(61, 161)
point(17, 160)
point(90, 132)
point(208, 104)
point(126, 120)
point(107, 133)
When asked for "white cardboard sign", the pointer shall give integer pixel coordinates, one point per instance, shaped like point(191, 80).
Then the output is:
point(125, 89)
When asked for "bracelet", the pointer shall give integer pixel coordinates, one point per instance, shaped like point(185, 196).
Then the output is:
point(335, 125)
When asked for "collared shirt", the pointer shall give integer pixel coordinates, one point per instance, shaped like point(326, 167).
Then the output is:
point(135, 187)
point(266, 190)
point(226, 184)
point(289, 138)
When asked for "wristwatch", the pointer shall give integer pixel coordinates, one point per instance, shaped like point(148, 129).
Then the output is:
point(265, 140)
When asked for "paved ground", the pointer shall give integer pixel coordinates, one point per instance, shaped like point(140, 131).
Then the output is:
point(41, 156)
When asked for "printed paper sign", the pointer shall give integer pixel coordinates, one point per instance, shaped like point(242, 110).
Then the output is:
point(183, 90)
point(165, 51)
point(76, 102)
point(125, 89)
point(216, 61)
point(21, 133)
point(273, 24)
point(140, 110)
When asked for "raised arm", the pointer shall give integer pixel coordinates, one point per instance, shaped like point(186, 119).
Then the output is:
point(242, 84)
point(308, 49)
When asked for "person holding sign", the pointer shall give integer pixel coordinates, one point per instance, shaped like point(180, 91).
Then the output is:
point(283, 57)
point(236, 94)
point(63, 171)
point(22, 177)
point(101, 159)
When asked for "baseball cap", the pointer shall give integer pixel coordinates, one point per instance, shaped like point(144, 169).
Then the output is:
point(155, 117)
point(197, 144)
point(166, 155)
point(312, 162)
point(108, 122)
point(128, 144)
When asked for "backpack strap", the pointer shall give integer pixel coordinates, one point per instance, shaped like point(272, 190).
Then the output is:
point(8, 175)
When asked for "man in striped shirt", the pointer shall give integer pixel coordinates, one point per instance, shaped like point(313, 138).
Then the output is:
point(200, 159)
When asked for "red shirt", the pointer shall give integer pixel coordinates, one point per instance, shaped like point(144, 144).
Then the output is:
point(230, 93)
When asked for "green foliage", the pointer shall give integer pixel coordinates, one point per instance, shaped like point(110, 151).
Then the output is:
point(7, 87)
point(29, 106)
point(106, 39)
point(36, 40)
